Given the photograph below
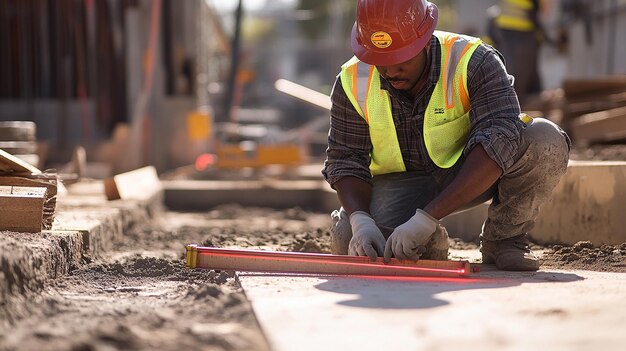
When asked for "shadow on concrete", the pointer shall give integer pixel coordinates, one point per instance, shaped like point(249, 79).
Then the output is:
point(420, 293)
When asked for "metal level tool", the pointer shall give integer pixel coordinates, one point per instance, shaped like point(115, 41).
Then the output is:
point(313, 263)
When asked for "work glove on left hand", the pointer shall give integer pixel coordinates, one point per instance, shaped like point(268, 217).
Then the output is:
point(407, 239)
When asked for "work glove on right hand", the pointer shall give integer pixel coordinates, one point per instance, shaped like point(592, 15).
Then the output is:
point(367, 239)
point(408, 239)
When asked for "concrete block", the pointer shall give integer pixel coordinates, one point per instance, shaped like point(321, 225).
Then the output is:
point(588, 204)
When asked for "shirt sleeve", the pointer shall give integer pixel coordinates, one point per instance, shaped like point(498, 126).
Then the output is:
point(349, 144)
point(494, 113)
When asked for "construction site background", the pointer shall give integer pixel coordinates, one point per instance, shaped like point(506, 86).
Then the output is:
point(172, 123)
point(140, 82)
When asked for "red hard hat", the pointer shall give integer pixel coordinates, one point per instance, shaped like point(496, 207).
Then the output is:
point(388, 32)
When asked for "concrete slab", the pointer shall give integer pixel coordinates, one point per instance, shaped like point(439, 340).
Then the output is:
point(554, 310)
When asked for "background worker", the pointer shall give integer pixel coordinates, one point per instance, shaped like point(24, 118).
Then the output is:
point(425, 123)
point(517, 32)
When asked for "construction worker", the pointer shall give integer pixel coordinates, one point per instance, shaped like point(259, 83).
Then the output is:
point(518, 34)
point(425, 123)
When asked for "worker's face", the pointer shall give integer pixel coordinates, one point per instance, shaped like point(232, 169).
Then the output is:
point(405, 75)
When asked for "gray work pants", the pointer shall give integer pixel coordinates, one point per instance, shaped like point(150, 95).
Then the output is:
point(516, 197)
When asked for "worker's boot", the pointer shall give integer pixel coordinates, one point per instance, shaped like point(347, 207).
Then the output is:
point(512, 254)
point(437, 246)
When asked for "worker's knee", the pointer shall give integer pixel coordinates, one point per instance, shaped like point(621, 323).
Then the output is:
point(340, 232)
point(546, 143)
point(548, 138)
point(544, 159)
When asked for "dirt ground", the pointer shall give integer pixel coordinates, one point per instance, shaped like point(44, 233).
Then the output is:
point(141, 297)
point(585, 255)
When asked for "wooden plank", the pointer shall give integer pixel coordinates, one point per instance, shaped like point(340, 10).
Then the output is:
point(139, 184)
point(13, 166)
point(588, 88)
point(603, 126)
point(19, 147)
point(596, 104)
point(18, 131)
point(589, 95)
point(32, 159)
point(22, 208)
point(10, 164)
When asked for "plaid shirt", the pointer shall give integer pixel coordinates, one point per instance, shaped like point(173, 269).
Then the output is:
point(494, 119)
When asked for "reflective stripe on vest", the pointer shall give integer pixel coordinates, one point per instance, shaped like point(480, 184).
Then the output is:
point(361, 83)
point(446, 122)
point(515, 15)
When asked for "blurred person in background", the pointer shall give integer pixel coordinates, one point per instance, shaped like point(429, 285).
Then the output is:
point(425, 123)
point(516, 31)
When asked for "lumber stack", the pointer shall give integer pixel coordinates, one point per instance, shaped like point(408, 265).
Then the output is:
point(595, 109)
point(27, 196)
point(19, 139)
point(591, 110)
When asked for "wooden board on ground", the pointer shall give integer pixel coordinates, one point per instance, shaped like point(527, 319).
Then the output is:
point(22, 208)
point(604, 126)
point(139, 184)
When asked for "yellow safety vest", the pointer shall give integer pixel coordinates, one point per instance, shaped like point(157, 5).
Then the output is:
point(515, 15)
point(446, 121)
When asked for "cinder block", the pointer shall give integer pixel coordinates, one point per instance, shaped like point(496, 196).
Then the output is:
point(588, 204)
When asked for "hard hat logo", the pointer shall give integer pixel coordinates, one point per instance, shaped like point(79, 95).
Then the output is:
point(381, 39)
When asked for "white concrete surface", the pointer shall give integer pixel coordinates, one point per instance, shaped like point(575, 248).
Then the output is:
point(494, 310)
